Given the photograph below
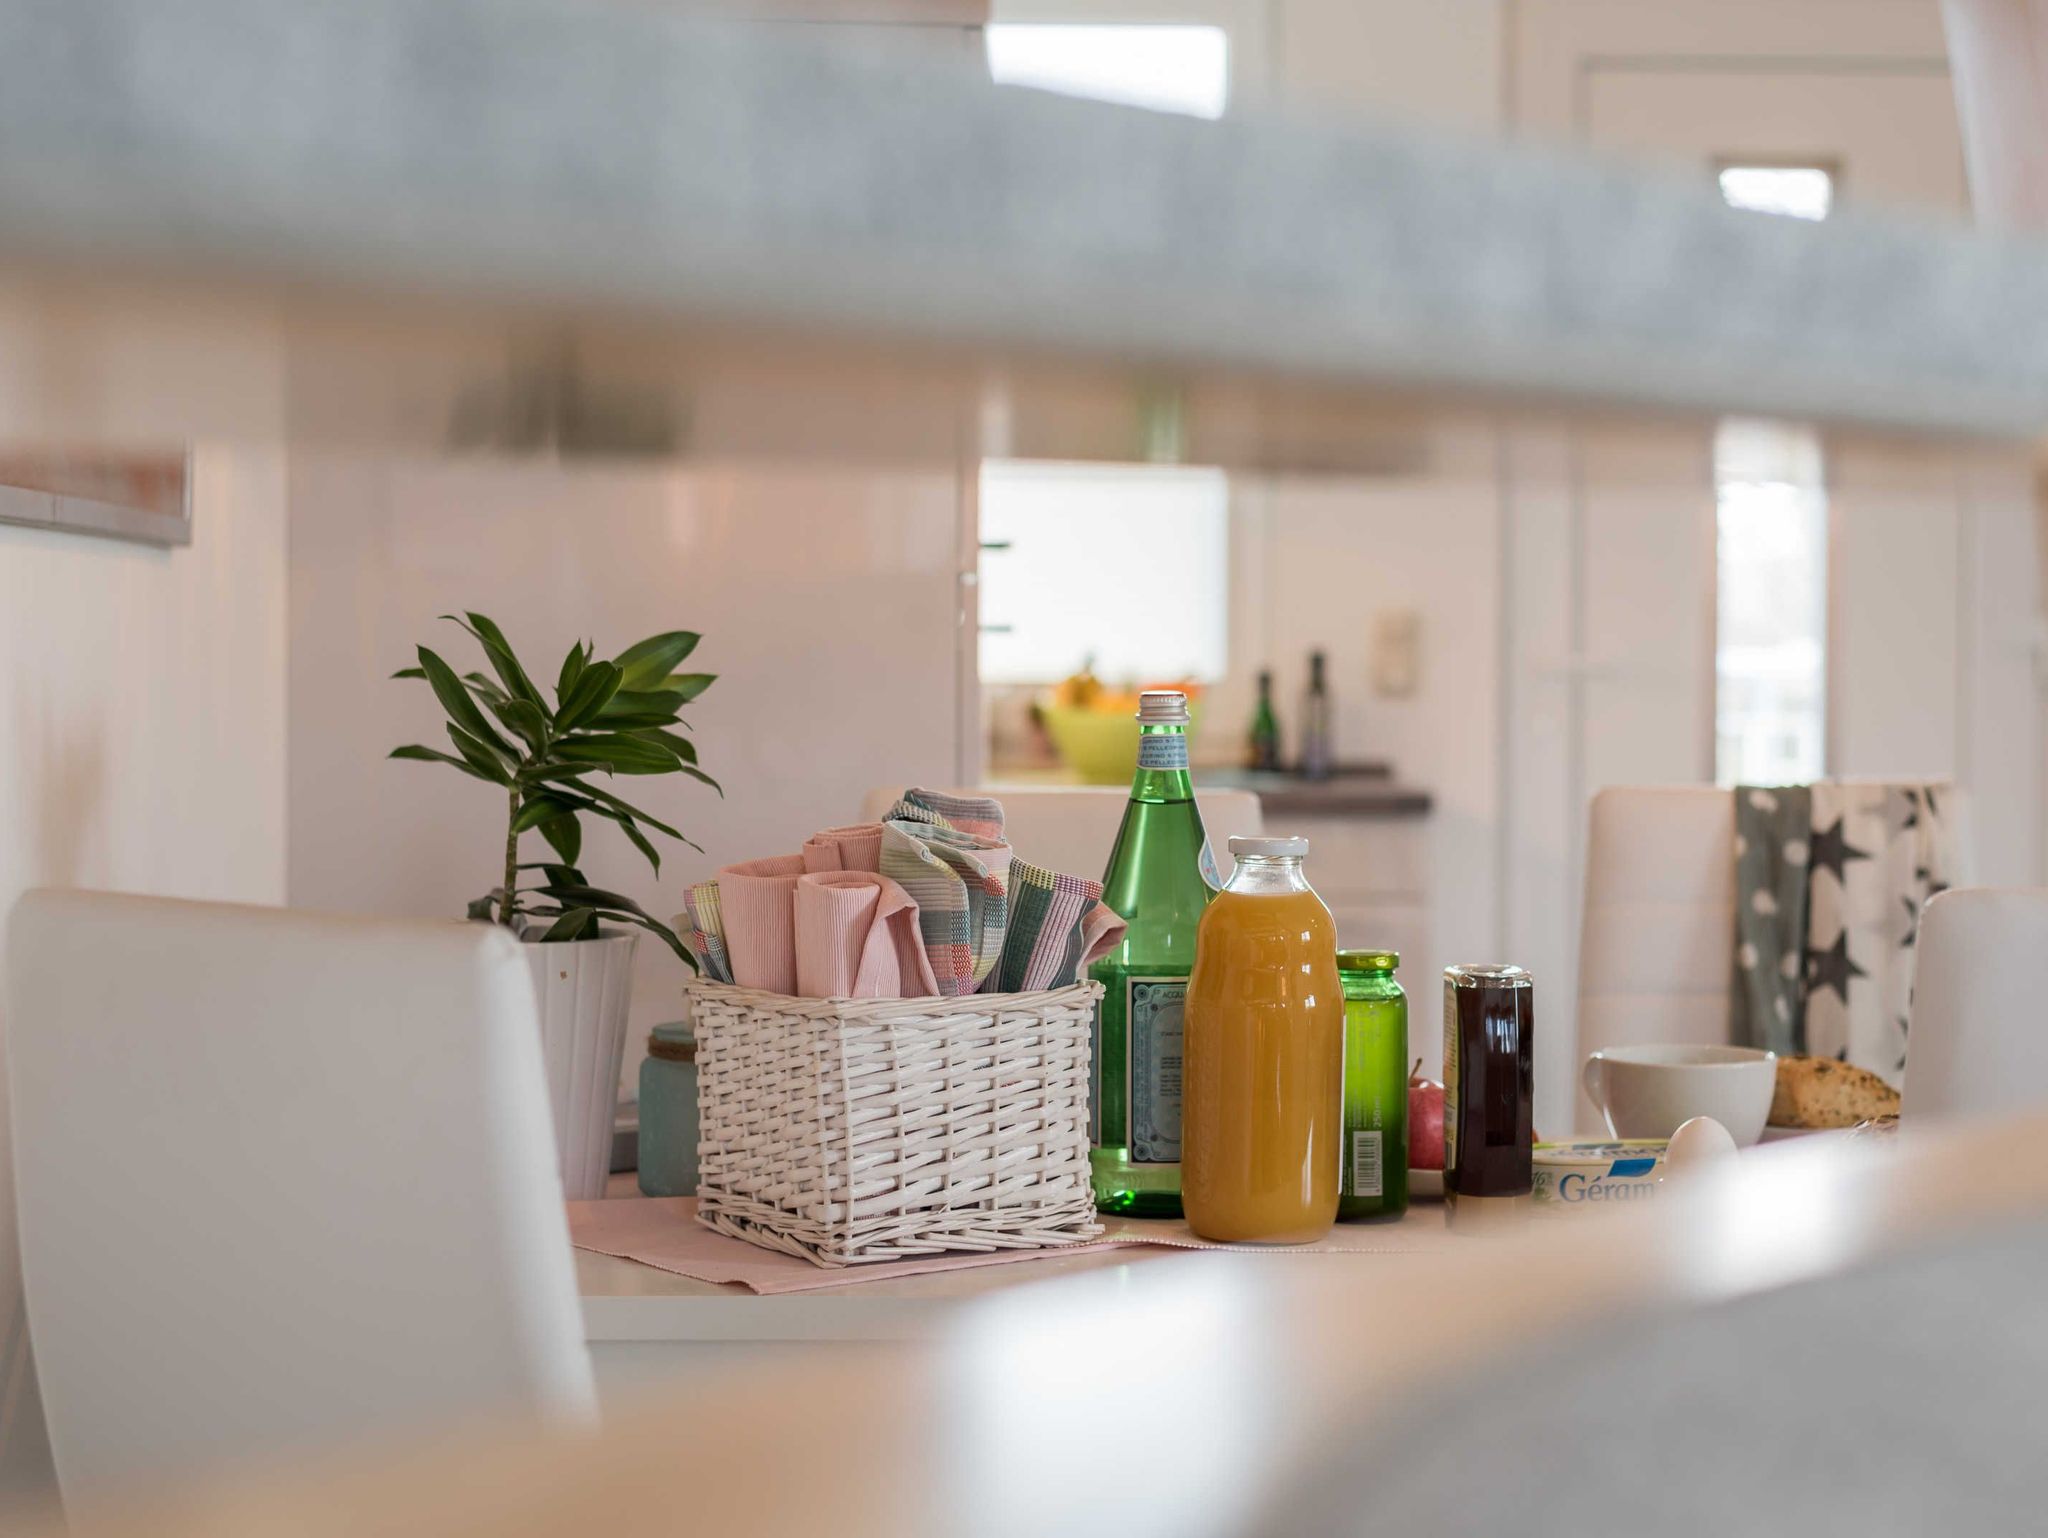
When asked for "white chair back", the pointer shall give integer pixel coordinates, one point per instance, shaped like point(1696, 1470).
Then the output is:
point(1657, 939)
point(1071, 828)
point(1979, 1029)
point(284, 1181)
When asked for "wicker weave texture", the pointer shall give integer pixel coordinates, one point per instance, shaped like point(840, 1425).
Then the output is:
point(877, 1129)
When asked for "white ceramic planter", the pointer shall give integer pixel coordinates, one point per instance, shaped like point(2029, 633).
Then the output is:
point(584, 989)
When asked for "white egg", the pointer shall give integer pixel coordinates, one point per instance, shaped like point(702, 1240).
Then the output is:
point(1698, 1142)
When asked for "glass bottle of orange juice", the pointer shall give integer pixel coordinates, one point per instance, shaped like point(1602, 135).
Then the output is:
point(1262, 1107)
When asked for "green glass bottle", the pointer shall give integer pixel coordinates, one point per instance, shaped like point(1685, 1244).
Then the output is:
point(1375, 1174)
point(1265, 732)
point(1160, 878)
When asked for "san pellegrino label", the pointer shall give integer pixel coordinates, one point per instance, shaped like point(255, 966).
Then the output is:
point(1153, 1008)
point(1165, 750)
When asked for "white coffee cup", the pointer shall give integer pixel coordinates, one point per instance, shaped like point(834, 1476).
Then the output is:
point(1651, 1091)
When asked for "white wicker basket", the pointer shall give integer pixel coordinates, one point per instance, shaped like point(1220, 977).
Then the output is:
point(879, 1129)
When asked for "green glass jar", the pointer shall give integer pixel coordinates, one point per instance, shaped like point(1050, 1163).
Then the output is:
point(1374, 1182)
point(668, 1113)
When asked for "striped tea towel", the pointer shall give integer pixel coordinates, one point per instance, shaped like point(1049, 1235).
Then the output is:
point(979, 815)
point(1043, 944)
point(960, 883)
point(707, 930)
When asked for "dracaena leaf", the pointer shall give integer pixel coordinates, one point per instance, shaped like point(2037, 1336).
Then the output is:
point(593, 897)
point(658, 703)
point(572, 925)
point(565, 836)
point(698, 774)
point(537, 810)
point(487, 762)
point(525, 719)
point(597, 684)
point(682, 747)
point(462, 710)
point(572, 669)
point(687, 686)
point(645, 664)
point(503, 662)
point(410, 673)
point(669, 937)
point(484, 689)
point(557, 874)
point(431, 756)
point(631, 828)
point(621, 806)
point(618, 752)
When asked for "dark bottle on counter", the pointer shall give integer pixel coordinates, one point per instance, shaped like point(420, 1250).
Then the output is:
point(1489, 1089)
point(1315, 722)
point(1265, 733)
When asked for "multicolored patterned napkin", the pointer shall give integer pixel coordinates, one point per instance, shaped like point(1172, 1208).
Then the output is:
point(1043, 945)
point(707, 930)
point(960, 882)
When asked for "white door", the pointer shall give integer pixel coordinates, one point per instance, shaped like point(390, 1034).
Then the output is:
point(1931, 571)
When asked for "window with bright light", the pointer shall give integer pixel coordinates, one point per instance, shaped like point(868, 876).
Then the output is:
point(1167, 68)
point(1770, 654)
point(1771, 556)
point(1802, 192)
point(1127, 565)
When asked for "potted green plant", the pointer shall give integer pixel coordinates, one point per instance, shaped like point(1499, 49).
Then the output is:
point(610, 718)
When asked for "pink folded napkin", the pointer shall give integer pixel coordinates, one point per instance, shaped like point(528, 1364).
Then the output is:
point(1101, 928)
point(758, 899)
point(857, 938)
point(858, 847)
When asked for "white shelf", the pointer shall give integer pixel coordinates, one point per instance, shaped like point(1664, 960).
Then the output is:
point(421, 189)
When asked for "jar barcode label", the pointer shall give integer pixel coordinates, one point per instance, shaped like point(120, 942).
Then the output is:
point(1365, 1164)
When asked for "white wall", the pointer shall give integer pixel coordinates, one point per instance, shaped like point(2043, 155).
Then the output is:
point(142, 746)
point(1336, 552)
point(827, 600)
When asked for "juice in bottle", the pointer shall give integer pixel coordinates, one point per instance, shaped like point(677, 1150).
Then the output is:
point(1262, 1115)
point(1159, 880)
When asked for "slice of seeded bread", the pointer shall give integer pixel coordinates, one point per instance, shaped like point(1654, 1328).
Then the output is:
point(1820, 1092)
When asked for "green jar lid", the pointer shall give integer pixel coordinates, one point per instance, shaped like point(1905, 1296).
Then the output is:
point(673, 1042)
point(1368, 961)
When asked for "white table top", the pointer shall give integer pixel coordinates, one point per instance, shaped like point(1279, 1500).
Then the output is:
point(624, 1300)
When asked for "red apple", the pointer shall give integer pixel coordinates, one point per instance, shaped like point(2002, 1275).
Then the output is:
point(1425, 1121)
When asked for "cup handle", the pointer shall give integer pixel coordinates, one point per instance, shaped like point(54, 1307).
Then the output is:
point(1594, 1078)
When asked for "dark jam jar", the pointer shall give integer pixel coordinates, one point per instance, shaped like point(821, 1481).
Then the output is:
point(1489, 1087)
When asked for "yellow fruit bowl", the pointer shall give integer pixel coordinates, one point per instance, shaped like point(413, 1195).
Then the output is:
point(1100, 746)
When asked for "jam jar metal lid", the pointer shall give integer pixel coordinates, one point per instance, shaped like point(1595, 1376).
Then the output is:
point(1488, 974)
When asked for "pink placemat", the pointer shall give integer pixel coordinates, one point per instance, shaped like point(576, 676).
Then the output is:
point(664, 1232)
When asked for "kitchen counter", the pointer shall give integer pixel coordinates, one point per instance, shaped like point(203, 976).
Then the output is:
point(1362, 792)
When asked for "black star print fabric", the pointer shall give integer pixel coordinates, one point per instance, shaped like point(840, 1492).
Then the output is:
point(1773, 838)
point(1830, 880)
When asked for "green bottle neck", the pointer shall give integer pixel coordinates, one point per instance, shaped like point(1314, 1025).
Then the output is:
point(1162, 775)
point(1370, 985)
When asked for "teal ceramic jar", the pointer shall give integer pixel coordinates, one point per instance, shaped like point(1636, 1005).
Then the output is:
point(668, 1113)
